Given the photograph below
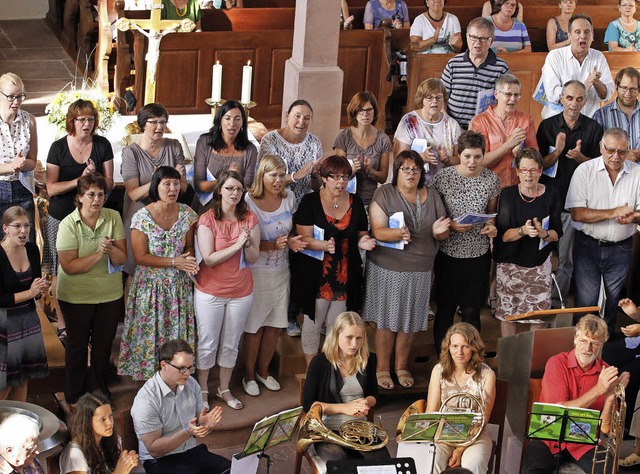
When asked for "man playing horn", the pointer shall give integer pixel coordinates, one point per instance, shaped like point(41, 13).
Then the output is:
point(578, 378)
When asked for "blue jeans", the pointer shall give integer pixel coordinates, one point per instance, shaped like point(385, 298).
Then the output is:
point(592, 263)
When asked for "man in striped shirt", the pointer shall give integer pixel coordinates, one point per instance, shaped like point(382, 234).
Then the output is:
point(475, 70)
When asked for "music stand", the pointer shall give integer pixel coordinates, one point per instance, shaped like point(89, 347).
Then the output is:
point(548, 313)
point(386, 466)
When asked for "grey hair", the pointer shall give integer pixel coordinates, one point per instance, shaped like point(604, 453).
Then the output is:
point(16, 429)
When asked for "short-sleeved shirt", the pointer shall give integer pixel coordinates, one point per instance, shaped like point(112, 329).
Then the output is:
point(591, 187)
point(496, 132)
point(515, 39)
point(206, 158)
point(616, 32)
point(374, 13)
point(14, 139)
point(227, 279)
point(61, 205)
point(611, 116)
point(157, 407)
point(463, 80)
point(97, 285)
point(564, 380)
point(72, 459)
point(587, 130)
point(423, 28)
point(365, 186)
point(462, 195)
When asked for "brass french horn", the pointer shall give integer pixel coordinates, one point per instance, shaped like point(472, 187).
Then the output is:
point(360, 435)
point(613, 440)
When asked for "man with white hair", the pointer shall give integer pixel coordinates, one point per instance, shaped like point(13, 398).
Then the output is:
point(19, 445)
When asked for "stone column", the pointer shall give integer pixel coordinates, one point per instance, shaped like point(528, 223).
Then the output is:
point(312, 72)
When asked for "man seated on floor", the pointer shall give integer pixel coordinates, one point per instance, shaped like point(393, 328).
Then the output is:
point(168, 415)
point(578, 378)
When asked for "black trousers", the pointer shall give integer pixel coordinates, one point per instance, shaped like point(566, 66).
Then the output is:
point(539, 459)
point(95, 324)
point(196, 460)
point(334, 452)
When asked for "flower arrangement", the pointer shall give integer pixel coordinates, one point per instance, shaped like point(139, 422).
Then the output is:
point(58, 107)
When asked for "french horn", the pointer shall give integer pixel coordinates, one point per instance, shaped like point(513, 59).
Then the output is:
point(460, 402)
point(613, 441)
point(360, 435)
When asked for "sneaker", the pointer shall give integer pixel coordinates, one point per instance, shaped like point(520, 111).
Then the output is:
point(293, 330)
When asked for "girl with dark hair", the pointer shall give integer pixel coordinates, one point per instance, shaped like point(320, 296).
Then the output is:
point(160, 303)
point(94, 447)
point(228, 239)
point(22, 347)
point(90, 245)
point(225, 146)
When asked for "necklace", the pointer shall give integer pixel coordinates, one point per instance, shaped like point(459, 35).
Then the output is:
point(531, 199)
point(416, 216)
point(632, 22)
point(184, 12)
point(436, 20)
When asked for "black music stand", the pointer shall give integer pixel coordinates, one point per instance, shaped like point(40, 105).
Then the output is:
point(401, 465)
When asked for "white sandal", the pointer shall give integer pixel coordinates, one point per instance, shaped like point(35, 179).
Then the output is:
point(233, 403)
point(205, 398)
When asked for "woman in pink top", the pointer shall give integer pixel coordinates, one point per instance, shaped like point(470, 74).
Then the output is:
point(228, 239)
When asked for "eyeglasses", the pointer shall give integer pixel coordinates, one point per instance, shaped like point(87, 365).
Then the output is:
point(92, 196)
point(481, 39)
point(586, 343)
point(233, 189)
point(275, 176)
point(20, 226)
point(628, 5)
point(85, 119)
point(624, 89)
point(509, 4)
point(339, 177)
point(11, 98)
point(162, 123)
point(509, 95)
point(530, 171)
point(370, 110)
point(182, 370)
point(410, 171)
point(613, 151)
point(437, 98)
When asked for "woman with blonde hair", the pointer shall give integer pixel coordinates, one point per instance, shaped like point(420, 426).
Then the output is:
point(18, 148)
point(461, 369)
point(274, 206)
point(342, 379)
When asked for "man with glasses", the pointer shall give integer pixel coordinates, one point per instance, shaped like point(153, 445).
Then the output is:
point(168, 415)
point(604, 201)
point(578, 378)
point(577, 61)
point(624, 112)
point(505, 129)
point(565, 141)
point(475, 70)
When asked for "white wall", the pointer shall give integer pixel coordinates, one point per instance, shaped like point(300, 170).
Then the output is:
point(24, 9)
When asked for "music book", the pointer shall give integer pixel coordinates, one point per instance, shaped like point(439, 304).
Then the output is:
point(318, 234)
point(271, 431)
point(555, 422)
point(396, 221)
point(474, 218)
point(438, 426)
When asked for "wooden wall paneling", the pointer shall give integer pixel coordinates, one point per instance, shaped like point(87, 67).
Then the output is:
point(248, 19)
point(420, 3)
point(232, 60)
point(177, 79)
point(279, 57)
point(54, 15)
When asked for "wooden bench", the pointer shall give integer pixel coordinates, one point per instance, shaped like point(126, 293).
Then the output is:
point(420, 3)
point(526, 66)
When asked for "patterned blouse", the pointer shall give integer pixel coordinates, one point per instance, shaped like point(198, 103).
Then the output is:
point(472, 387)
point(14, 139)
point(616, 32)
point(333, 282)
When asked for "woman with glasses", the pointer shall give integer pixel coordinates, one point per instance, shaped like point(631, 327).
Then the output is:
point(91, 245)
point(18, 148)
point(623, 34)
point(511, 34)
point(558, 26)
point(528, 224)
point(140, 160)
point(22, 353)
point(77, 154)
point(365, 146)
point(225, 146)
point(436, 31)
point(489, 6)
point(429, 130)
point(229, 241)
point(160, 302)
point(328, 281)
point(399, 279)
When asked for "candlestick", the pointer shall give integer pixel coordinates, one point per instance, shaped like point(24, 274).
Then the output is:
point(247, 72)
point(216, 82)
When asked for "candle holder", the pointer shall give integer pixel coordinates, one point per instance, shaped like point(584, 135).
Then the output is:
point(214, 106)
point(247, 107)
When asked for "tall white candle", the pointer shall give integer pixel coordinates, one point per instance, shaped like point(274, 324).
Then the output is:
point(247, 73)
point(216, 83)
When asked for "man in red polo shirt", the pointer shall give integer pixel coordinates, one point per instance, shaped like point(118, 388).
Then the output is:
point(578, 378)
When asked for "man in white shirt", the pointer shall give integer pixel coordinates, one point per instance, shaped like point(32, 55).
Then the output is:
point(604, 201)
point(577, 61)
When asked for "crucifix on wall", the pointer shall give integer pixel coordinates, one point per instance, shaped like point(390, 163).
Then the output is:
point(157, 29)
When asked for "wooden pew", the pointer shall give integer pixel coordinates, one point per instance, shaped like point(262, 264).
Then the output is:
point(527, 66)
point(420, 3)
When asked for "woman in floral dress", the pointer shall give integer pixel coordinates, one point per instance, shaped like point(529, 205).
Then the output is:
point(160, 304)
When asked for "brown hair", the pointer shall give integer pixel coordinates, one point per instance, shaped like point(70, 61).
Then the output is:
point(78, 108)
point(241, 207)
point(86, 181)
point(357, 104)
point(334, 164)
point(429, 87)
point(12, 214)
point(530, 153)
point(400, 159)
point(472, 336)
point(592, 326)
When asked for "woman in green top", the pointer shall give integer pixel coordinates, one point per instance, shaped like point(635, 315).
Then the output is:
point(91, 246)
point(181, 10)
